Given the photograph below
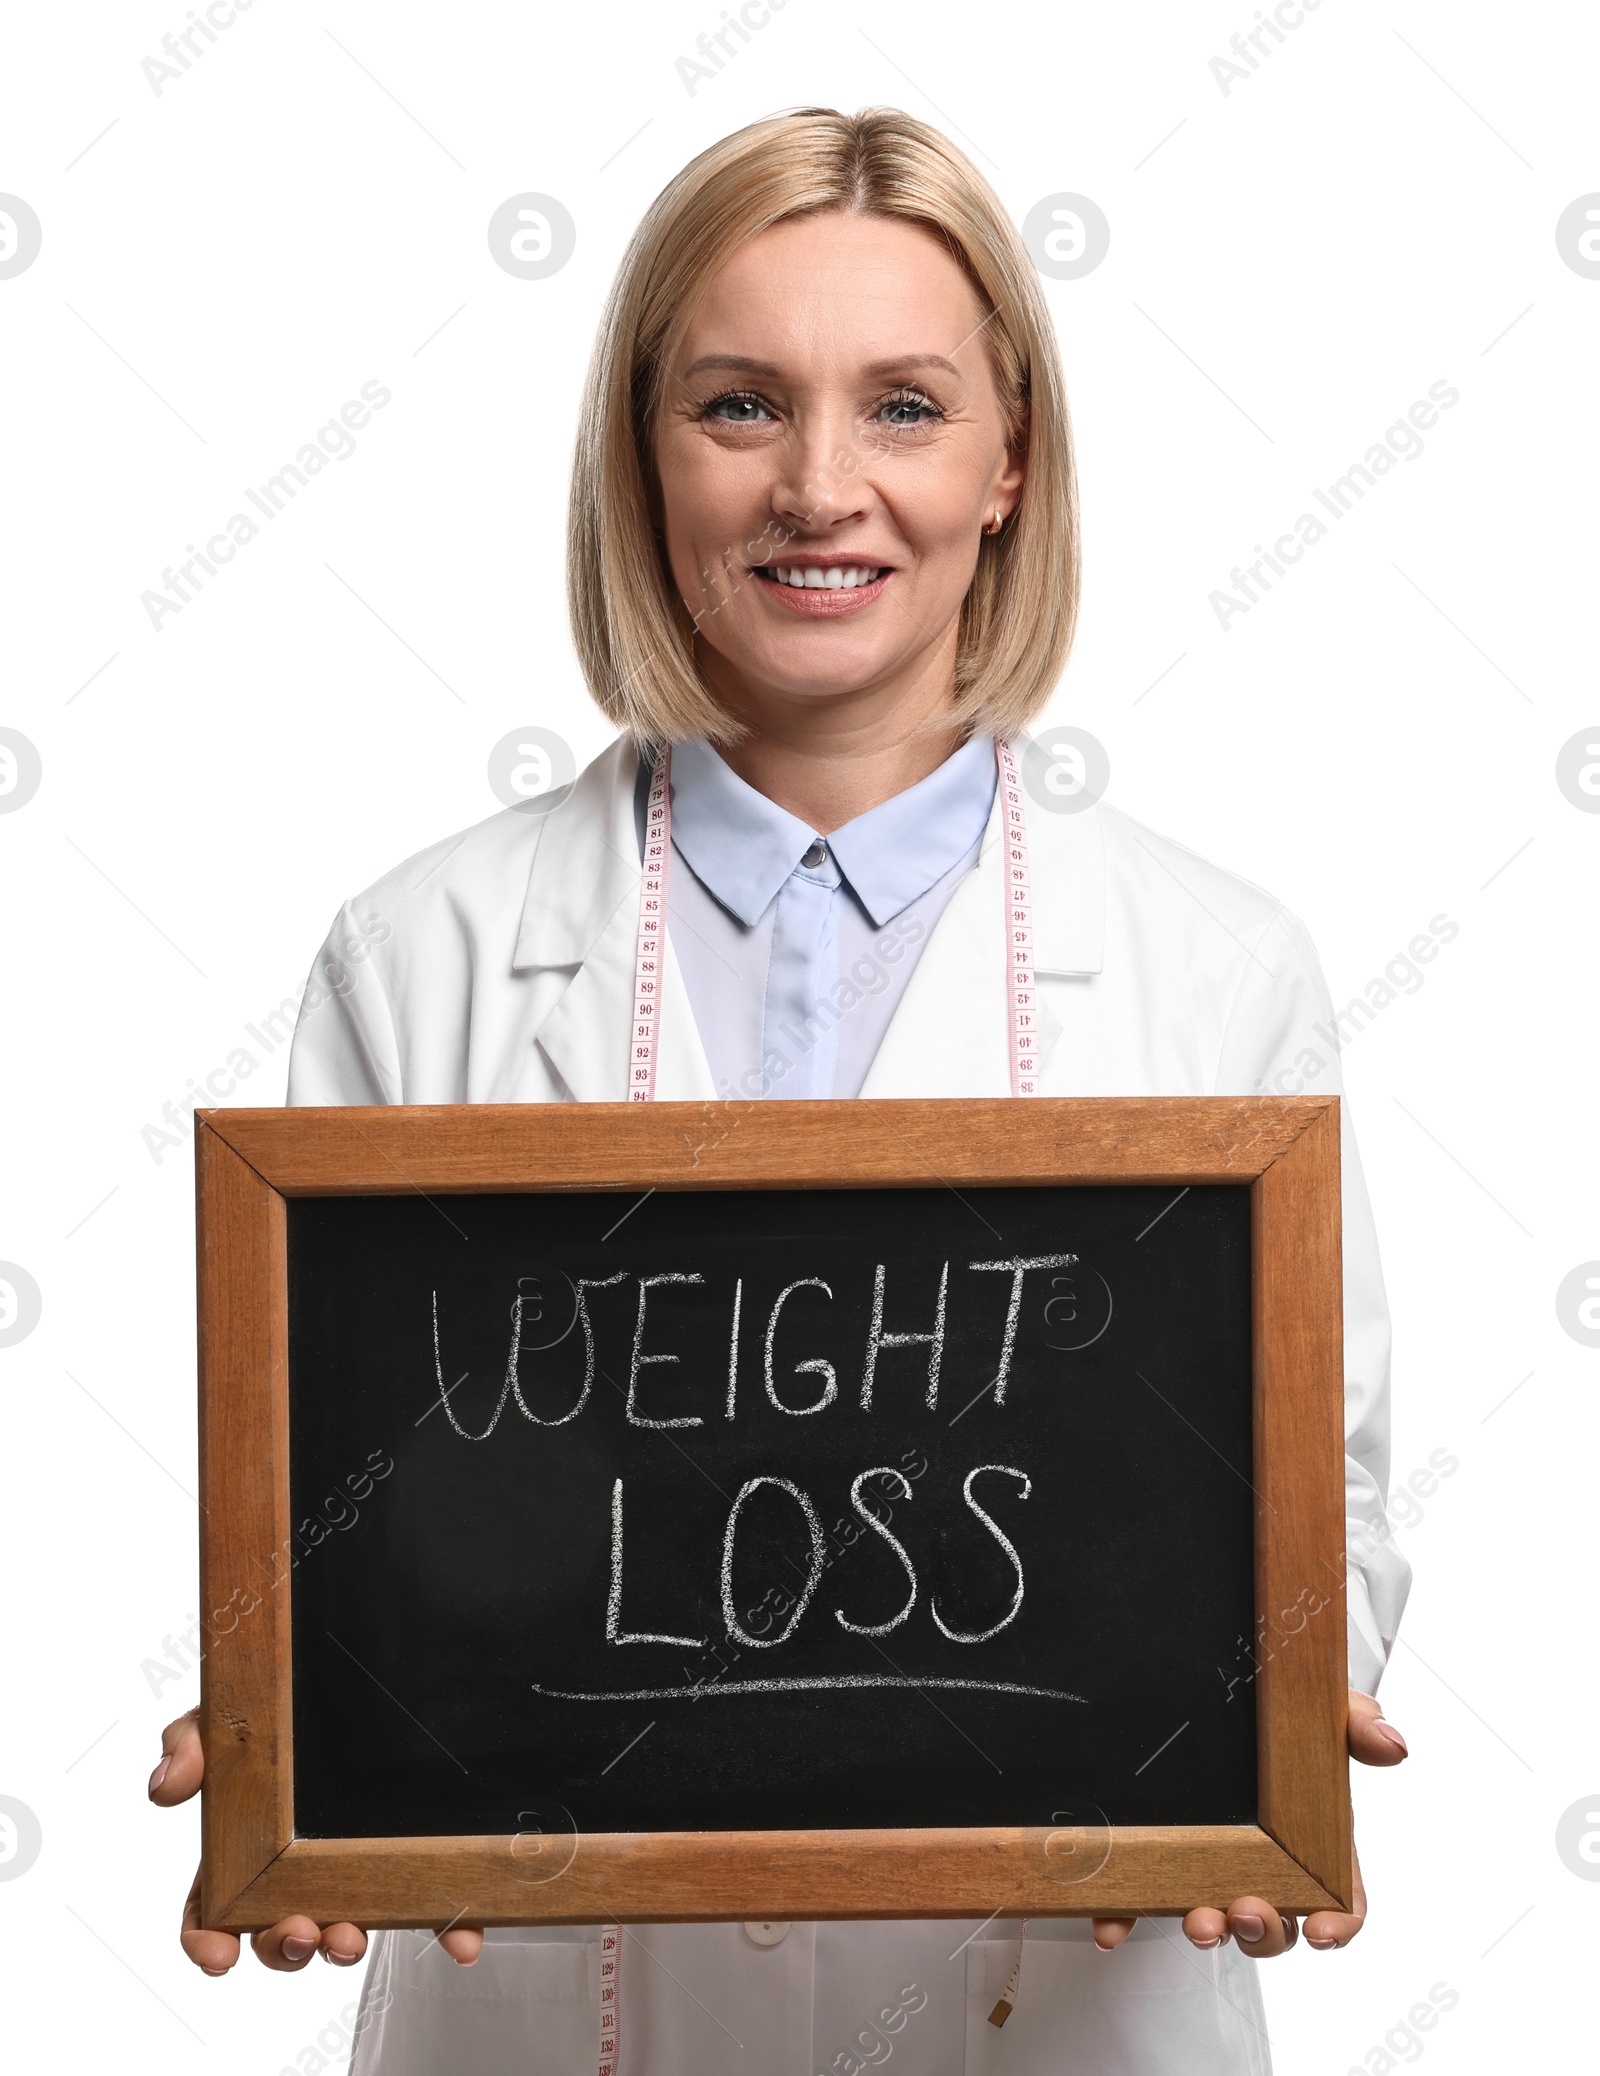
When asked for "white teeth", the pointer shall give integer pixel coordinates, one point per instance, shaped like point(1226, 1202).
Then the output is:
point(838, 578)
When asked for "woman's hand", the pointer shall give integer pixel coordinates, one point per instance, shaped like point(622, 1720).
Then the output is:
point(1261, 1929)
point(286, 1946)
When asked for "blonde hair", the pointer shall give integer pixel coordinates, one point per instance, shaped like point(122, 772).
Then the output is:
point(634, 634)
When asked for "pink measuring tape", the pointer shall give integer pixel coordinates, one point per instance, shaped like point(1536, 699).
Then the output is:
point(610, 1997)
point(1019, 929)
point(650, 957)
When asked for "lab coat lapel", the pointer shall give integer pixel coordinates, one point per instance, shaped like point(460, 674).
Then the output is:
point(950, 1034)
point(581, 913)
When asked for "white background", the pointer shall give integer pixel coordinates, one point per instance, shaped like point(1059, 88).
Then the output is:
point(1292, 263)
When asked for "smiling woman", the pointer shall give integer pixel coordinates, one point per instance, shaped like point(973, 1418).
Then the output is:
point(823, 570)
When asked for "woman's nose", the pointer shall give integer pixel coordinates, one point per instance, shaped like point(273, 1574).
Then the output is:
point(821, 477)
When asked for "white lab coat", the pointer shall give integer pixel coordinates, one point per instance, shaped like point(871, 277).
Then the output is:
point(497, 967)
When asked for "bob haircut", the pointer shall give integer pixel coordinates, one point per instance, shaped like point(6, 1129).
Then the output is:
point(634, 634)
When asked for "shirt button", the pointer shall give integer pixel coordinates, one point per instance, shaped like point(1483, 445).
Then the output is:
point(767, 1933)
point(815, 856)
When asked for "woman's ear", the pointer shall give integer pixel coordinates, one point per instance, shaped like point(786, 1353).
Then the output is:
point(1005, 488)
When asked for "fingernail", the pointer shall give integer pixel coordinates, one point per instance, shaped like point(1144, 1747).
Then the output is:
point(159, 1775)
point(298, 1949)
point(1248, 1929)
point(1388, 1730)
point(1206, 1944)
point(213, 1971)
point(1322, 1945)
point(341, 1960)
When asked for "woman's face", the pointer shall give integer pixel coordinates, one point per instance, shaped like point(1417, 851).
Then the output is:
point(830, 445)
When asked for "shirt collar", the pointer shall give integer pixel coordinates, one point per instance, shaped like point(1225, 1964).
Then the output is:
point(583, 877)
point(739, 843)
point(743, 846)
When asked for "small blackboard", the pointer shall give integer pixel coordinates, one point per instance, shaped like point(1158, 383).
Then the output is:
point(632, 1492)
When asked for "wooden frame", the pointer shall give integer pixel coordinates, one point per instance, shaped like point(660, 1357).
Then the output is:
point(255, 1870)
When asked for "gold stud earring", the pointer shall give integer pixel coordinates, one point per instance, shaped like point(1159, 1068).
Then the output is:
point(996, 523)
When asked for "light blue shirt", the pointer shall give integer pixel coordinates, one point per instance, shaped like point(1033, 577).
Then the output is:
point(796, 949)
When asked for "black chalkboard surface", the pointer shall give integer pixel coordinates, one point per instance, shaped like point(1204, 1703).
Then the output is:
point(771, 1509)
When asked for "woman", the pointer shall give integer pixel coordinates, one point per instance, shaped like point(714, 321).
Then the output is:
point(823, 570)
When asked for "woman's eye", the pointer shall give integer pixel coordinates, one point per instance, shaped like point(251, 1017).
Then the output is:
point(907, 411)
point(737, 409)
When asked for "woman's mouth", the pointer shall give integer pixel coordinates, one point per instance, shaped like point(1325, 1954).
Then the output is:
point(823, 589)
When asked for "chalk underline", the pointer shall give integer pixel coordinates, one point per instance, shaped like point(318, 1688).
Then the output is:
point(701, 1689)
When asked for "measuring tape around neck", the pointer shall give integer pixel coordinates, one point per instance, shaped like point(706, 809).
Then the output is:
point(650, 958)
